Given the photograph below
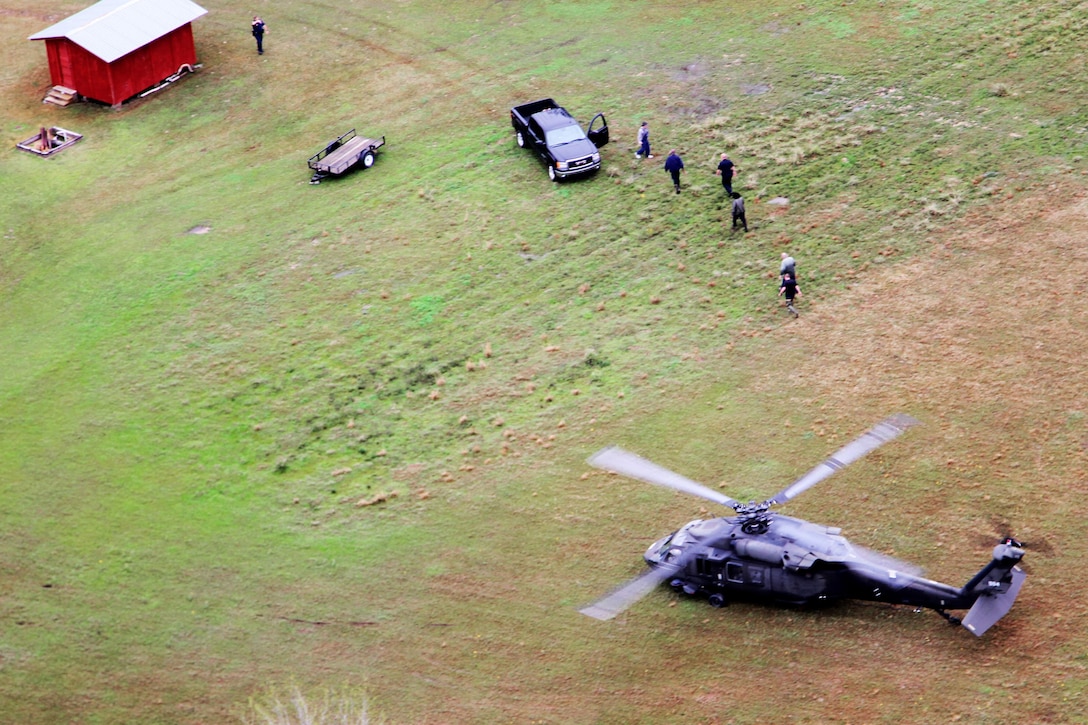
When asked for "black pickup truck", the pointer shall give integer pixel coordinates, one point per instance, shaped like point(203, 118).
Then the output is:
point(548, 129)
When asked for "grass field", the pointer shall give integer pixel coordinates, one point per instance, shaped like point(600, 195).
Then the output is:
point(257, 434)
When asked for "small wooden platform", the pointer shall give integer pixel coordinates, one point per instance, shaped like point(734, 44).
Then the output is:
point(61, 96)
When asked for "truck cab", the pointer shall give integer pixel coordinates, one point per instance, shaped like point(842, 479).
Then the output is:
point(558, 139)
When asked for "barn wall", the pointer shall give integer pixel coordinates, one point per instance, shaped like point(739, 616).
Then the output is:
point(147, 66)
point(59, 68)
point(72, 66)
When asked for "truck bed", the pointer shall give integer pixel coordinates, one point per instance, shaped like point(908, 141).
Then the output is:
point(526, 110)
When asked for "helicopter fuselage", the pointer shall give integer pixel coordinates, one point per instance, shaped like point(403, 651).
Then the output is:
point(760, 555)
point(790, 561)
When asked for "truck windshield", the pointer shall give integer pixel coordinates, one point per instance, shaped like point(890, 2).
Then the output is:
point(566, 134)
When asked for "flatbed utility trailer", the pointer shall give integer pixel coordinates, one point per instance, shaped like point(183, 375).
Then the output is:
point(344, 154)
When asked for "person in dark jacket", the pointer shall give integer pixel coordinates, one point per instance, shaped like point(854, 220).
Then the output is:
point(674, 165)
point(726, 170)
point(738, 211)
point(790, 289)
point(258, 33)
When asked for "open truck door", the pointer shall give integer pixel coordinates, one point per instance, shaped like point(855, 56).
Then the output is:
point(598, 134)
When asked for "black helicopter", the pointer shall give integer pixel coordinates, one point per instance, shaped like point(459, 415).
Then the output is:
point(763, 556)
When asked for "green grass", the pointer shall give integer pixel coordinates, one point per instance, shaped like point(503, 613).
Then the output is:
point(188, 422)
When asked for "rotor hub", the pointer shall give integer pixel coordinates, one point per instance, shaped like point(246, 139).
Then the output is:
point(755, 518)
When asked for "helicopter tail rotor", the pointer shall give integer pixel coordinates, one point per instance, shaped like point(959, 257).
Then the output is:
point(996, 587)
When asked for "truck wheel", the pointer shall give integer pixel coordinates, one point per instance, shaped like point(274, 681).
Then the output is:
point(368, 159)
point(520, 140)
point(551, 173)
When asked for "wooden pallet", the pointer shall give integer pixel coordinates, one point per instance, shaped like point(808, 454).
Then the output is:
point(60, 96)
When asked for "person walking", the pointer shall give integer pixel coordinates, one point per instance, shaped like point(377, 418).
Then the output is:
point(790, 289)
point(674, 165)
point(258, 30)
point(644, 142)
point(788, 266)
point(738, 211)
point(726, 170)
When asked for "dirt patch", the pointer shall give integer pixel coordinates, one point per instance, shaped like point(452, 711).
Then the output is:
point(691, 72)
point(692, 89)
point(776, 29)
point(980, 339)
point(988, 315)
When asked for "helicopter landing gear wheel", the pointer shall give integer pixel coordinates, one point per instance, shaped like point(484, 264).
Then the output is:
point(716, 600)
point(953, 620)
point(676, 585)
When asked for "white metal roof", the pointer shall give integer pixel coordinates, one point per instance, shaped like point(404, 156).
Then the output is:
point(111, 29)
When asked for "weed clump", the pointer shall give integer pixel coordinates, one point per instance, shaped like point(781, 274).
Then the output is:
point(330, 707)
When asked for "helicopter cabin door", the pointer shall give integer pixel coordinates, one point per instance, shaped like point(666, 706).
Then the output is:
point(746, 574)
point(712, 566)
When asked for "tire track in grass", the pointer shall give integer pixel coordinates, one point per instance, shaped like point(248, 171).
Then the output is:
point(414, 57)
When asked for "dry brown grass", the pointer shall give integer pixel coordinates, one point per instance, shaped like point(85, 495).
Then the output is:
point(981, 339)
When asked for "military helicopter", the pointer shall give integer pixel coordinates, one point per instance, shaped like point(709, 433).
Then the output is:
point(758, 555)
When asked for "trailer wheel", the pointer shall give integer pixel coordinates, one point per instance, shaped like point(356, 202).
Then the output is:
point(368, 159)
point(551, 173)
point(520, 140)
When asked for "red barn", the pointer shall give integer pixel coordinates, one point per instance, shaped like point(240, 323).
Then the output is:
point(115, 49)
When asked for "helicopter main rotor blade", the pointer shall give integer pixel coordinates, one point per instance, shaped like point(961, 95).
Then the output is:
point(884, 431)
point(620, 599)
point(867, 558)
point(618, 460)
